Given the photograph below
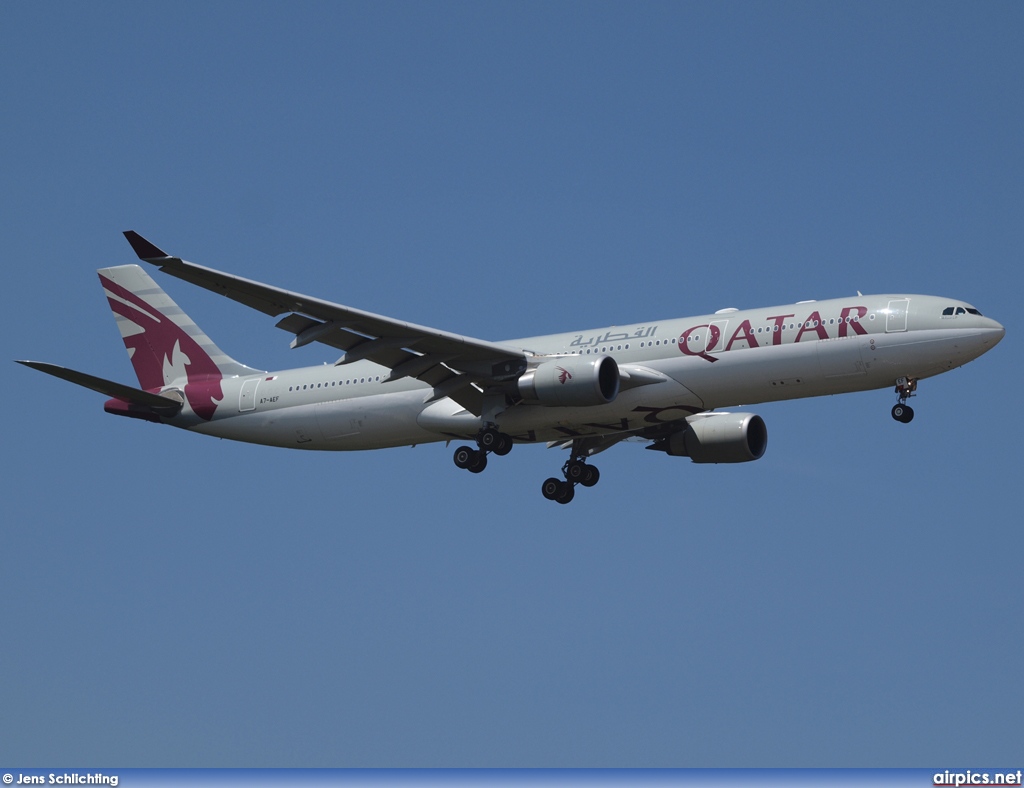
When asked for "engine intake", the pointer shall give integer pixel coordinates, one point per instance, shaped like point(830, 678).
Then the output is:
point(725, 437)
point(572, 381)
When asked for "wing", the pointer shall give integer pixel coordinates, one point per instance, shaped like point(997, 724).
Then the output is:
point(454, 366)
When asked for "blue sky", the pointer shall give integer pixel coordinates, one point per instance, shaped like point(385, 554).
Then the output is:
point(499, 170)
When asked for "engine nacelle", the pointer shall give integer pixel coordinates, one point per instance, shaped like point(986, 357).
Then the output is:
point(572, 381)
point(726, 437)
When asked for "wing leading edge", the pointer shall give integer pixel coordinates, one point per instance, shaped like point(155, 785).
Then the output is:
point(453, 365)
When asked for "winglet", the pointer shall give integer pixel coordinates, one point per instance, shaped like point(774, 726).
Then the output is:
point(143, 248)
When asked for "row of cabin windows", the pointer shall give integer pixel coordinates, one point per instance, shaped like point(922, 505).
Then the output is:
point(334, 383)
point(762, 330)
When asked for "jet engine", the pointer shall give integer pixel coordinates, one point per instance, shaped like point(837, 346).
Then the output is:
point(572, 381)
point(721, 437)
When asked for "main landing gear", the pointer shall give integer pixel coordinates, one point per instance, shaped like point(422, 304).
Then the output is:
point(901, 411)
point(576, 471)
point(489, 440)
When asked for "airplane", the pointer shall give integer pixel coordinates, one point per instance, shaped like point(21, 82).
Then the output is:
point(663, 382)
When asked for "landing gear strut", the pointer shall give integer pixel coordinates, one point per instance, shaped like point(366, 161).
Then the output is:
point(901, 411)
point(489, 440)
point(576, 471)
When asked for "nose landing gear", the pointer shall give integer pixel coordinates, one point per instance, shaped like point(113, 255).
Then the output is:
point(901, 411)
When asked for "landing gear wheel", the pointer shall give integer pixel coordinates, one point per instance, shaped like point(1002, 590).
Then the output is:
point(591, 477)
point(551, 488)
point(464, 456)
point(903, 413)
point(478, 463)
point(575, 471)
point(489, 439)
point(567, 493)
point(556, 490)
point(470, 459)
point(504, 445)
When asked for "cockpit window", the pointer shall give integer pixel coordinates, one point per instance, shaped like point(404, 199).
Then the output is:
point(953, 311)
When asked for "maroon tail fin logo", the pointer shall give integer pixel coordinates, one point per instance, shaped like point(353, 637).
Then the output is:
point(564, 375)
point(162, 348)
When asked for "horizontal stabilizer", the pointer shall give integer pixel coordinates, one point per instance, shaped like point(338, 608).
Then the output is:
point(159, 403)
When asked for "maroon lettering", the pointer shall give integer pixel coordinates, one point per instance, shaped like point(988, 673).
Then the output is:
point(813, 323)
point(845, 320)
point(779, 321)
point(744, 333)
point(714, 334)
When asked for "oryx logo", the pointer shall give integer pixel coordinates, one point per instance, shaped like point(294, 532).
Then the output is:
point(564, 375)
point(162, 352)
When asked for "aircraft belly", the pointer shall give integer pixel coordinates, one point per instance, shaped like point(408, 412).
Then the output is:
point(376, 422)
point(370, 422)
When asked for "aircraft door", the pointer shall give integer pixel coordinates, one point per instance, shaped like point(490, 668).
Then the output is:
point(896, 316)
point(247, 397)
point(711, 339)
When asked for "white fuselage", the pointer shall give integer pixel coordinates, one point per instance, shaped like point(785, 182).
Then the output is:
point(712, 361)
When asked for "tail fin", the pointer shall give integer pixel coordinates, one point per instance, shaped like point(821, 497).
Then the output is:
point(164, 345)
